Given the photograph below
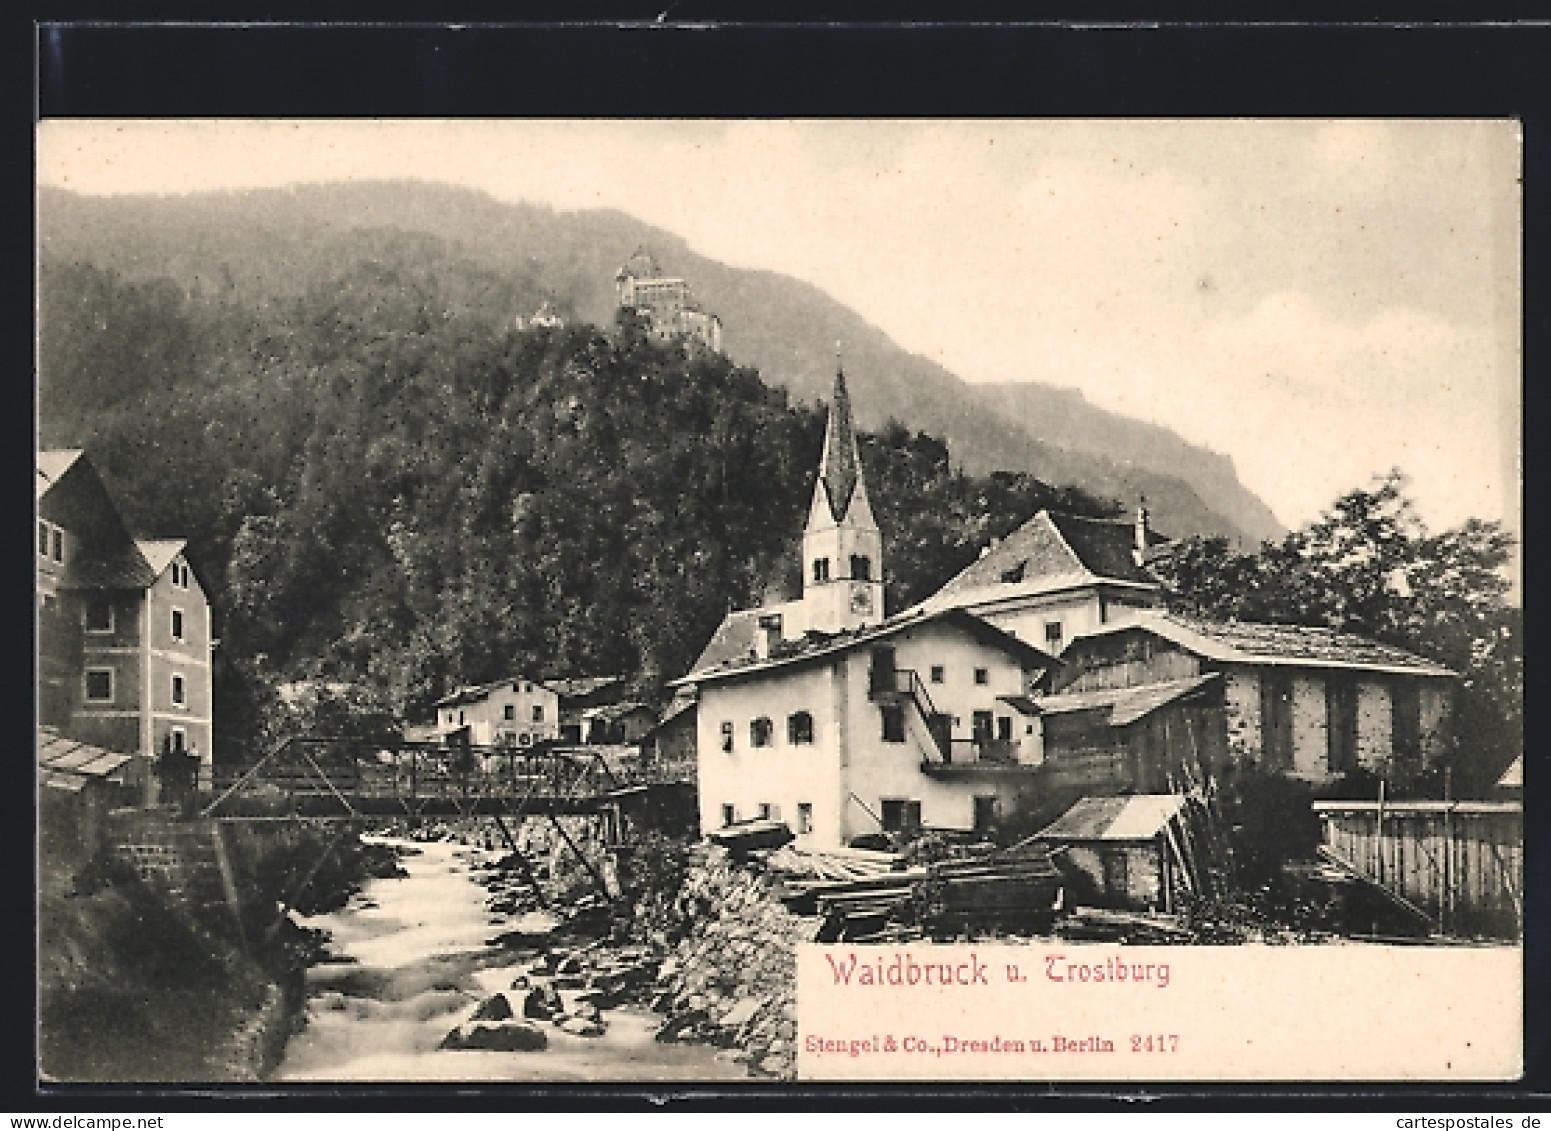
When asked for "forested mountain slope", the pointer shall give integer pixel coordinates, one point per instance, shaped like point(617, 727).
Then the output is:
point(266, 247)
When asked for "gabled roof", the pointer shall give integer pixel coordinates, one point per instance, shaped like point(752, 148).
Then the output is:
point(70, 491)
point(734, 638)
point(52, 466)
point(1125, 704)
point(123, 567)
point(1249, 642)
point(1139, 817)
point(159, 552)
point(1513, 776)
point(478, 692)
point(613, 712)
point(583, 686)
point(1050, 551)
point(816, 645)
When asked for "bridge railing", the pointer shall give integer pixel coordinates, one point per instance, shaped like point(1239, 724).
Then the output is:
point(350, 771)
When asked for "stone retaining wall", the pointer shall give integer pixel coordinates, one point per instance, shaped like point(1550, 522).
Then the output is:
point(732, 979)
point(253, 1051)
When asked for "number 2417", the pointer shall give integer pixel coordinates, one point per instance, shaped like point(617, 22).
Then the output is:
point(1155, 1042)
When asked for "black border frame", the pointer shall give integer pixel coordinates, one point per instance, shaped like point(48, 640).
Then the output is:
point(680, 58)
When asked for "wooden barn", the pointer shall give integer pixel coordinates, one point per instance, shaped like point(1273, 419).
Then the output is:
point(1130, 852)
point(1153, 738)
point(1458, 865)
point(1310, 703)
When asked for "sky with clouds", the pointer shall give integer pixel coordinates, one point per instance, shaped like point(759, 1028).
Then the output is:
point(1322, 301)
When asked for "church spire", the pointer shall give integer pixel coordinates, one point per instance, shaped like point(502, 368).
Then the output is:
point(840, 469)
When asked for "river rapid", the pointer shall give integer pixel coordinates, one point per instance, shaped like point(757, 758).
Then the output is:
point(413, 961)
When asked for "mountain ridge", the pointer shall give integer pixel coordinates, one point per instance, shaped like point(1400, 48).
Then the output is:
point(268, 244)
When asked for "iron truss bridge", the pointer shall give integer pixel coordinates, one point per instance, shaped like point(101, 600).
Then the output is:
point(345, 779)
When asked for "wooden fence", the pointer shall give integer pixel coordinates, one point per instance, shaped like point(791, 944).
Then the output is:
point(1459, 862)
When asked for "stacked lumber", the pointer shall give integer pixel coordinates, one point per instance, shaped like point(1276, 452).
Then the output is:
point(749, 836)
point(1018, 888)
point(838, 864)
point(1102, 925)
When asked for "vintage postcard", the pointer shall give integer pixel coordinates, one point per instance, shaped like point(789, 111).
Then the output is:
point(927, 600)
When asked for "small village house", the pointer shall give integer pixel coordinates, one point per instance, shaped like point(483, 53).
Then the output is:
point(579, 700)
point(668, 749)
point(509, 712)
point(124, 630)
point(1058, 576)
point(617, 724)
point(1124, 852)
point(1311, 703)
point(825, 714)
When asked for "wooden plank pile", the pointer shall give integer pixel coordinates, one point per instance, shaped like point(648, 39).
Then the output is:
point(857, 892)
point(1099, 924)
point(1018, 889)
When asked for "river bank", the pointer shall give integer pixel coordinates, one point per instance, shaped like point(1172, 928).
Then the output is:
point(449, 950)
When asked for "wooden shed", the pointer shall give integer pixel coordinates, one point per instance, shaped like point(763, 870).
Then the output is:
point(1458, 864)
point(1127, 852)
point(1150, 738)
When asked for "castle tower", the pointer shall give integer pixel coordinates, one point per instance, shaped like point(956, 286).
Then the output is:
point(842, 548)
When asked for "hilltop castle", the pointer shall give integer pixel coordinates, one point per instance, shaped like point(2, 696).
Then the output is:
point(667, 303)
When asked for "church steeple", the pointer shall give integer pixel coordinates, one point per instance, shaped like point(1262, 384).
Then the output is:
point(838, 470)
point(842, 547)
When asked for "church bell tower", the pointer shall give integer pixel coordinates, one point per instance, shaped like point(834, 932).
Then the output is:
point(842, 548)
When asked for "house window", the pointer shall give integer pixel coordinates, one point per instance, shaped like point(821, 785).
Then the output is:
point(769, 812)
point(538, 712)
point(985, 813)
point(447, 718)
point(179, 740)
point(861, 567)
point(1053, 633)
point(893, 722)
point(1004, 728)
point(98, 616)
point(900, 815)
point(99, 685)
point(760, 731)
point(42, 538)
point(178, 699)
point(799, 728)
point(729, 814)
point(805, 816)
point(58, 545)
point(727, 741)
point(980, 725)
point(509, 712)
point(524, 739)
point(982, 676)
point(1116, 872)
point(820, 569)
point(460, 718)
point(939, 673)
point(177, 624)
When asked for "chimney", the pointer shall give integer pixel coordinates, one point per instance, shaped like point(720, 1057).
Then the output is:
point(767, 635)
point(1139, 553)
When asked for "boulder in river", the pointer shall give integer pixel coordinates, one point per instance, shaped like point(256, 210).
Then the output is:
point(582, 1027)
point(741, 1013)
point(681, 1024)
point(542, 1002)
point(509, 1036)
point(495, 1008)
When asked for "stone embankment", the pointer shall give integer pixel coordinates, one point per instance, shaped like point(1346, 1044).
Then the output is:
point(709, 947)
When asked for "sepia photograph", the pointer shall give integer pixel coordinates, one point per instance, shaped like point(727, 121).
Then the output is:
point(717, 600)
